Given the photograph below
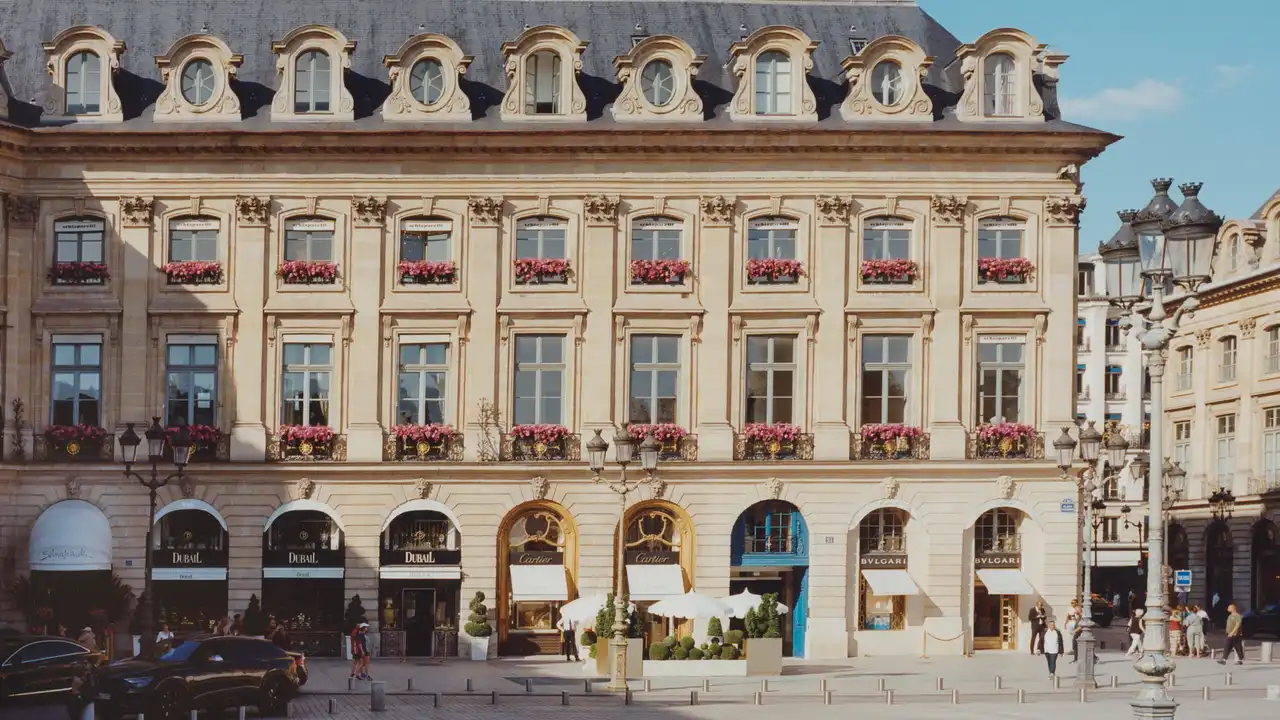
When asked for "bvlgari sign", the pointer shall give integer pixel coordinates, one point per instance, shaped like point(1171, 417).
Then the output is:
point(653, 557)
point(392, 556)
point(997, 560)
point(883, 561)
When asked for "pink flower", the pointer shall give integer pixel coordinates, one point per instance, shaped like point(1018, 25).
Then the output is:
point(434, 433)
point(201, 435)
point(1019, 269)
point(889, 269)
point(307, 272)
point(82, 433)
point(532, 270)
point(888, 432)
point(193, 272)
point(425, 271)
point(310, 433)
point(75, 273)
point(999, 431)
point(775, 432)
point(662, 432)
point(760, 270)
point(658, 272)
point(543, 433)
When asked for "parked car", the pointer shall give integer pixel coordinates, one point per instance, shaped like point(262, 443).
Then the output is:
point(201, 673)
point(1102, 611)
point(39, 669)
point(1265, 620)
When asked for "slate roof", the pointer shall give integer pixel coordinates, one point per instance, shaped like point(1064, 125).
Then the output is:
point(1257, 214)
point(379, 27)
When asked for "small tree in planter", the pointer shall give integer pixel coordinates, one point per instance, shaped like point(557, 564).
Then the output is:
point(715, 631)
point(764, 637)
point(478, 628)
point(255, 621)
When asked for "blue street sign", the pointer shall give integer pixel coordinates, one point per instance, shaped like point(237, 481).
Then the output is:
point(1182, 579)
point(1068, 505)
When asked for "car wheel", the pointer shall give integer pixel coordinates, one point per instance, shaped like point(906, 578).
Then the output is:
point(168, 703)
point(275, 698)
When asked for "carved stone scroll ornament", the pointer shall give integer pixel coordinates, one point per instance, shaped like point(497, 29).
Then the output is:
point(485, 210)
point(601, 209)
point(717, 210)
point(369, 211)
point(833, 209)
point(136, 211)
point(1064, 209)
point(22, 210)
point(252, 210)
point(948, 209)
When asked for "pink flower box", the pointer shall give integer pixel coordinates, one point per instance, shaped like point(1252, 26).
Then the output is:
point(530, 271)
point(1007, 440)
point(776, 432)
point(78, 273)
point(425, 272)
point(308, 272)
point(999, 431)
point(309, 433)
point(433, 433)
point(81, 433)
point(889, 432)
point(75, 442)
point(204, 441)
point(659, 272)
point(1012, 270)
point(545, 434)
point(889, 271)
point(771, 270)
point(664, 433)
point(193, 272)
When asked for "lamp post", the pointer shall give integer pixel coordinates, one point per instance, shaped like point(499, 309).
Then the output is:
point(625, 446)
point(1173, 245)
point(129, 442)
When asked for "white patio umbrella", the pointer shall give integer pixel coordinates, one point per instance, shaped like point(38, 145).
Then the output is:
point(583, 611)
point(691, 605)
point(742, 602)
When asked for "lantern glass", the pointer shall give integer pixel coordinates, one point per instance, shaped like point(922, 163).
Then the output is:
point(649, 453)
point(1090, 443)
point(1177, 480)
point(624, 446)
point(1117, 449)
point(597, 448)
point(1190, 252)
point(1151, 252)
point(129, 442)
point(181, 447)
point(155, 440)
point(1065, 448)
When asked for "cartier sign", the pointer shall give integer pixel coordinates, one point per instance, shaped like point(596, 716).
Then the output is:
point(536, 557)
point(896, 561)
point(998, 560)
point(653, 557)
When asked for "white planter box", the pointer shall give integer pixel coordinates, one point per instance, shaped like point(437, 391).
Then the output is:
point(479, 649)
point(695, 668)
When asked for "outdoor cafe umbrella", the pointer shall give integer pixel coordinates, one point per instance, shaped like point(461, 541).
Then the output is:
point(742, 602)
point(583, 611)
point(691, 605)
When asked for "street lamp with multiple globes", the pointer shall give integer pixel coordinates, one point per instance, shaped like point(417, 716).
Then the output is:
point(1164, 246)
point(597, 449)
point(129, 442)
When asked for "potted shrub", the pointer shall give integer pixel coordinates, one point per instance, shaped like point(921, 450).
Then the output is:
point(764, 638)
point(478, 628)
point(715, 630)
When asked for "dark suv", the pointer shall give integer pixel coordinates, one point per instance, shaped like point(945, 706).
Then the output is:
point(202, 673)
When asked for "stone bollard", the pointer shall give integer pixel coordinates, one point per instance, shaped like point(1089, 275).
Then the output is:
point(351, 684)
point(822, 685)
point(564, 697)
point(240, 715)
point(939, 685)
point(195, 714)
point(1115, 681)
point(1173, 680)
point(1057, 683)
point(332, 703)
point(470, 687)
point(1022, 696)
point(1226, 680)
point(409, 685)
point(888, 697)
point(759, 699)
point(1206, 693)
point(1273, 692)
point(1268, 651)
point(648, 685)
point(706, 685)
point(586, 686)
point(693, 697)
point(626, 697)
point(378, 695)
point(955, 696)
point(528, 684)
point(999, 683)
point(882, 685)
point(288, 710)
point(1084, 695)
point(764, 685)
point(493, 697)
point(826, 697)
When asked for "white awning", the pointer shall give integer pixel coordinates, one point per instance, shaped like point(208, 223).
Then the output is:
point(655, 582)
point(1118, 558)
point(539, 582)
point(1005, 581)
point(304, 573)
point(71, 536)
point(200, 573)
point(420, 572)
point(890, 582)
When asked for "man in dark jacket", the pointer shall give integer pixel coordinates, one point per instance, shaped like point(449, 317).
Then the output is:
point(1039, 622)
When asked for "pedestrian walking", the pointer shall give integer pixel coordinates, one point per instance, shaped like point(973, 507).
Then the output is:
point(1038, 617)
point(1235, 636)
point(88, 639)
point(1073, 630)
point(360, 652)
point(224, 627)
point(164, 639)
point(1115, 603)
point(1052, 645)
point(1193, 626)
point(1135, 633)
point(568, 640)
point(1175, 630)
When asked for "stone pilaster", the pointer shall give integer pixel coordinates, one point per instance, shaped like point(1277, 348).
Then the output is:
point(716, 267)
point(830, 276)
point(1057, 409)
point(24, 266)
point(485, 275)
point(364, 431)
point(946, 417)
point(599, 251)
point(248, 430)
point(136, 215)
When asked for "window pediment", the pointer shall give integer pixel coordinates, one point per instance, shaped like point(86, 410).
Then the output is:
point(886, 82)
point(197, 73)
point(310, 66)
point(771, 68)
point(424, 76)
point(999, 77)
point(657, 81)
point(82, 61)
point(542, 67)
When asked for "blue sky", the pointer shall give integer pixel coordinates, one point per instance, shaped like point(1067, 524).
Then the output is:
point(1189, 84)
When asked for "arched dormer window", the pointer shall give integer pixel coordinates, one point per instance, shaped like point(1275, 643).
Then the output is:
point(424, 75)
point(197, 73)
point(886, 82)
point(657, 81)
point(310, 65)
point(542, 67)
point(82, 61)
point(771, 67)
point(999, 82)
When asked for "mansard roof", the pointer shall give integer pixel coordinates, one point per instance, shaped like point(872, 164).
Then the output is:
point(479, 27)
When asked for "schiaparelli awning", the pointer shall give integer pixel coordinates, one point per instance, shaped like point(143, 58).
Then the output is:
point(1006, 581)
point(890, 582)
point(71, 536)
point(655, 582)
point(539, 582)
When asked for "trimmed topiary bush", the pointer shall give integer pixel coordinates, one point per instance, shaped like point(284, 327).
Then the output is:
point(659, 651)
point(687, 643)
point(680, 653)
point(478, 622)
point(733, 637)
point(751, 621)
point(717, 650)
point(730, 653)
point(588, 638)
point(769, 617)
point(695, 654)
point(670, 641)
point(714, 628)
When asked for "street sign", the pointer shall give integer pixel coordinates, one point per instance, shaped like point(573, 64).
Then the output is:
point(1068, 505)
point(1182, 579)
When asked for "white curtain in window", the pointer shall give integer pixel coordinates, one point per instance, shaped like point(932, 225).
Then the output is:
point(999, 85)
point(773, 83)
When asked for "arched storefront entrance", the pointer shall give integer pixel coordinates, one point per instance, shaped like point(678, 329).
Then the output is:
point(303, 565)
point(189, 566)
point(70, 561)
point(658, 550)
point(1179, 555)
point(1266, 565)
point(884, 587)
point(770, 554)
point(1219, 575)
point(537, 573)
point(420, 580)
point(998, 582)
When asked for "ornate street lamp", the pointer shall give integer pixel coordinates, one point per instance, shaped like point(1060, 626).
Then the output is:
point(1123, 264)
point(129, 442)
point(1222, 503)
point(624, 455)
point(1090, 442)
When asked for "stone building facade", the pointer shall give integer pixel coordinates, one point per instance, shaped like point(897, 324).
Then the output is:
point(526, 216)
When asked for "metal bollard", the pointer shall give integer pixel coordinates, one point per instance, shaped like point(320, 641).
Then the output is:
point(528, 684)
point(759, 700)
point(1226, 681)
point(955, 696)
point(331, 707)
point(999, 683)
point(1057, 683)
point(470, 687)
point(493, 698)
point(1115, 681)
point(764, 685)
point(882, 685)
point(626, 697)
point(938, 685)
point(826, 697)
point(195, 715)
point(240, 715)
point(1022, 696)
point(1173, 679)
point(822, 685)
point(410, 685)
point(351, 684)
point(648, 685)
point(1084, 695)
point(706, 685)
point(288, 710)
point(435, 699)
point(1267, 652)
point(378, 695)
point(586, 686)
point(888, 697)
point(1213, 653)
point(564, 697)
point(1206, 693)
point(693, 697)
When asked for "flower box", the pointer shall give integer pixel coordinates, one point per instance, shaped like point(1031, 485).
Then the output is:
point(540, 442)
point(674, 442)
point(308, 272)
point(1007, 440)
point(424, 442)
point(193, 272)
point(774, 271)
point(425, 272)
point(889, 271)
point(530, 271)
point(78, 273)
point(1005, 270)
point(79, 443)
point(776, 441)
point(207, 443)
point(892, 441)
point(306, 442)
point(659, 272)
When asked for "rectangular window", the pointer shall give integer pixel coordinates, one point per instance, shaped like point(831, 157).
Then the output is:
point(541, 239)
point(1114, 382)
point(542, 84)
point(84, 89)
point(655, 238)
point(1111, 530)
point(1185, 365)
point(424, 373)
point(1114, 335)
point(1082, 339)
point(191, 380)
point(1000, 372)
point(771, 371)
point(655, 373)
point(1182, 444)
point(193, 239)
point(771, 239)
point(309, 240)
point(1273, 350)
point(425, 240)
point(1080, 391)
point(78, 241)
point(77, 380)
point(1000, 238)
point(1271, 446)
point(1084, 280)
point(539, 380)
point(886, 369)
point(1227, 360)
point(1226, 445)
point(306, 383)
point(886, 238)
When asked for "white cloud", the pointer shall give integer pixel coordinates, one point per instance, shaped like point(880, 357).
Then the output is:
point(1144, 97)
point(1232, 75)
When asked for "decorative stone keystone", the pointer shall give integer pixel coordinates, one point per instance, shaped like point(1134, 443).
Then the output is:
point(717, 210)
point(948, 209)
point(1064, 210)
point(369, 211)
point(833, 209)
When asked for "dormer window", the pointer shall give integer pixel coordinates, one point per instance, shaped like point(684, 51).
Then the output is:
point(542, 84)
point(197, 74)
point(999, 77)
point(886, 83)
point(658, 82)
point(84, 84)
point(426, 81)
point(773, 83)
point(311, 83)
point(310, 65)
point(424, 76)
point(83, 60)
point(1000, 86)
point(771, 66)
point(198, 82)
point(542, 75)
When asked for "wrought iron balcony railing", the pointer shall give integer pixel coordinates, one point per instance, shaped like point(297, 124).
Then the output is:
point(903, 448)
point(396, 449)
point(521, 449)
point(1021, 447)
point(751, 449)
point(293, 450)
point(47, 449)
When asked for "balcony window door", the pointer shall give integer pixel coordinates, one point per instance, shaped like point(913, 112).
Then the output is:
point(423, 381)
point(771, 370)
point(539, 380)
point(1226, 449)
point(655, 373)
point(77, 381)
point(306, 384)
point(886, 370)
point(1001, 367)
point(191, 383)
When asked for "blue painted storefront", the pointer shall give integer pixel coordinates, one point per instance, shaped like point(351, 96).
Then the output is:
point(772, 534)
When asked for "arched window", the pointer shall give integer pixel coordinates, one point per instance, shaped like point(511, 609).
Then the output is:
point(421, 530)
point(537, 530)
point(773, 83)
point(886, 238)
point(653, 530)
point(84, 83)
point(658, 82)
point(997, 531)
point(311, 82)
point(198, 81)
point(1000, 85)
point(542, 83)
point(309, 240)
point(426, 81)
point(655, 238)
point(883, 531)
point(193, 239)
point(425, 240)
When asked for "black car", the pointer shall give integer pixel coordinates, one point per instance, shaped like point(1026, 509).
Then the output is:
point(1102, 612)
point(201, 673)
point(37, 669)
point(1265, 620)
